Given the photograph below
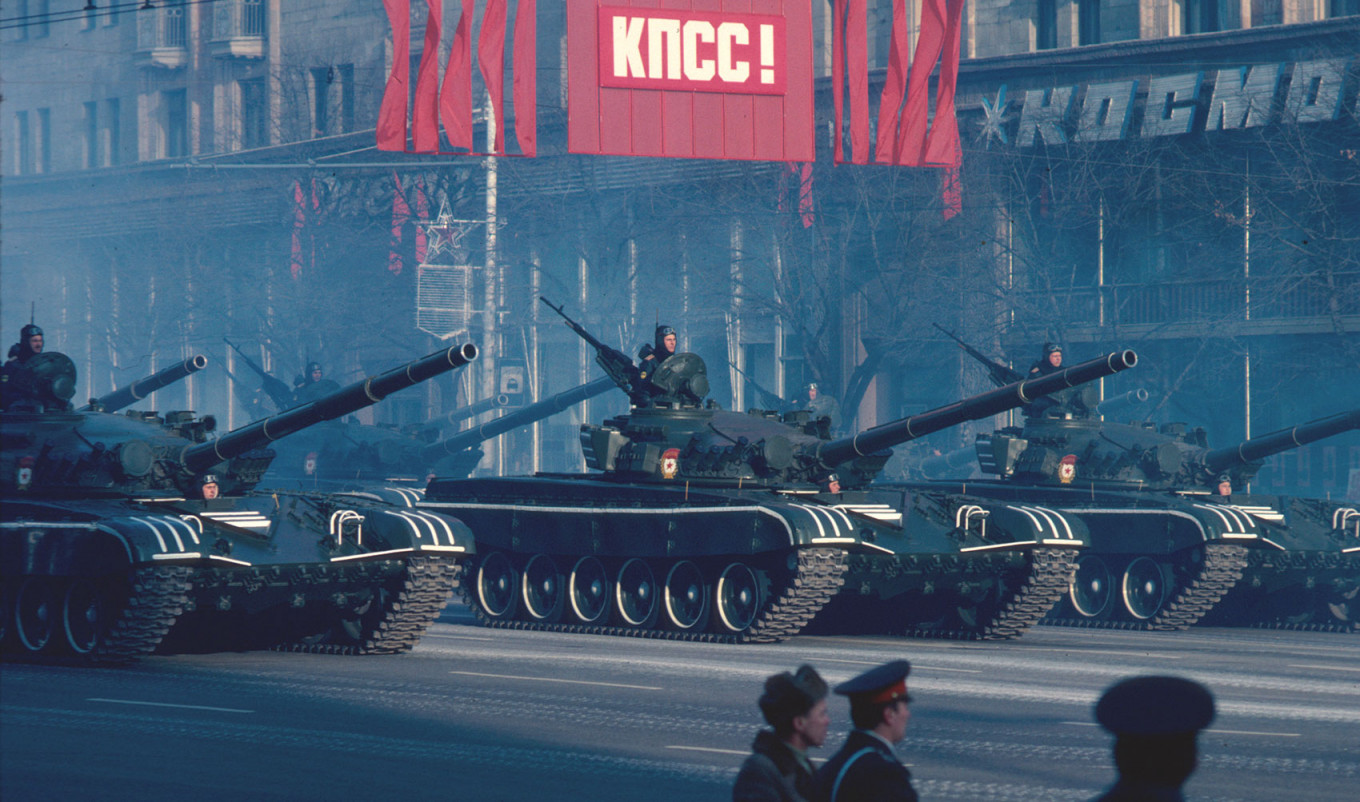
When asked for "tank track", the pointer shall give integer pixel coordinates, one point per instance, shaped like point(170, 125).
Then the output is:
point(427, 585)
point(1222, 569)
point(1050, 575)
point(1306, 563)
point(157, 597)
point(818, 576)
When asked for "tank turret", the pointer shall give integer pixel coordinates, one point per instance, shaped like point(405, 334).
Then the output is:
point(132, 393)
point(675, 437)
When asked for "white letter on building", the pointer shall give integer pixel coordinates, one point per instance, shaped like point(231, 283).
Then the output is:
point(729, 32)
point(628, 47)
point(697, 31)
point(670, 29)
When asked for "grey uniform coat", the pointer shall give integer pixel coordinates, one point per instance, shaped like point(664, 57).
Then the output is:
point(773, 773)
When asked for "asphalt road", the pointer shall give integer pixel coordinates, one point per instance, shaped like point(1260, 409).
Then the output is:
point(476, 714)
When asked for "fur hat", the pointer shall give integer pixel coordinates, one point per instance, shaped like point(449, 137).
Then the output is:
point(789, 695)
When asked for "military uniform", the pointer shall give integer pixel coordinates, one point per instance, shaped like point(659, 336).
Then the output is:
point(824, 406)
point(866, 768)
point(1155, 721)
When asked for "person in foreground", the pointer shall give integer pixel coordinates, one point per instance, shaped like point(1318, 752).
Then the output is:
point(1156, 723)
point(778, 769)
point(866, 769)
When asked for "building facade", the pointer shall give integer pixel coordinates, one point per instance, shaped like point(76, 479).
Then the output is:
point(1176, 177)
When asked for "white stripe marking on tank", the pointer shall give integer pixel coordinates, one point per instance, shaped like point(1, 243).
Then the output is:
point(1054, 519)
point(1079, 511)
point(849, 525)
point(411, 496)
point(1001, 546)
point(154, 530)
point(417, 528)
point(1028, 513)
point(220, 558)
point(821, 530)
point(51, 525)
point(435, 523)
point(184, 555)
point(370, 555)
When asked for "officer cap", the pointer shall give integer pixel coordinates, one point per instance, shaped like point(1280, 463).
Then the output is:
point(887, 683)
point(29, 331)
point(1155, 706)
point(1051, 348)
point(789, 695)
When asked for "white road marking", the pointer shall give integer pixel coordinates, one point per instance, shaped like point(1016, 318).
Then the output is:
point(456, 637)
point(565, 681)
point(1324, 668)
point(167, 704)
point(710, 749)
point(1212, 730)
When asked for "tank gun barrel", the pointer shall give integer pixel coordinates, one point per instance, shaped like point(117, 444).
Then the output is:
point(132, 393)
point(356, 396)
point(1118, 402)
point(476, 408)
point(1259, 448)
point(513, 420)
point(990, 403)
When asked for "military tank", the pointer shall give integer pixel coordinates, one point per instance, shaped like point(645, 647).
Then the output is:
point(108, 549)
point(1172, 536)
point(705, 524)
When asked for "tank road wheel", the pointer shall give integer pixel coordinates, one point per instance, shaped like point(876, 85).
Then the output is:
point(686, 597)
point(497, 588)
point(84, 616)
point(737, 599)
point(1145, 588)
point(588, 590)
point(542, 584)
point(1092, 588)
point(35, 611)
point(635, 595)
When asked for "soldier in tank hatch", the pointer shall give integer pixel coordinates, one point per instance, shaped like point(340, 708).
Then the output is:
point(1156, 723)
point(866, 767)
point(662, 348)
point(207, 487)
point(822, 405)
point(30, 344)
point(778, 770)
point(1051, 360)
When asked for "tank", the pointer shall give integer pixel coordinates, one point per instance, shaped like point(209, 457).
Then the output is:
point(140, 389)
point(110, 551)
point(1166, 547)
point(704, 524)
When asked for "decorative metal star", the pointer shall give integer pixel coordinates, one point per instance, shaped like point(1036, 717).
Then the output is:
point(443, 235)
point(994, 127)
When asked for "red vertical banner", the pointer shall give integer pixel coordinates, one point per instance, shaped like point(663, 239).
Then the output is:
point(725, 79)
point(491, 61)
point(525, 86)
point(299, 220)
point(894, 85)
point(425, 114)
point(391, 133)
point(455, 95)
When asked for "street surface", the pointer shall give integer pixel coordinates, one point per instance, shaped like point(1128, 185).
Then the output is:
point(477, 714)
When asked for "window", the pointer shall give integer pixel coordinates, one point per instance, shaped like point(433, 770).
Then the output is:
point(254, 114)
point(91, 135)
point(44, 140)
point(322, 78)
point(1088, 22)
point(1046, 26)
point(346, 97)
point(113, 131)
point(175, 104)
point(252, 17)
point(23, 161)
point(1199, 16)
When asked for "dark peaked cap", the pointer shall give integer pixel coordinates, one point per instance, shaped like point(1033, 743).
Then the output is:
point(883, 684)
point(1155, 706)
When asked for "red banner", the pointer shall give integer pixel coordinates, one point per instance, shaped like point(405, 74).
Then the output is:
point(716, 79)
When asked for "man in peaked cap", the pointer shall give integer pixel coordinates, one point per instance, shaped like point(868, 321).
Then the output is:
point(866, 768)
point(1156, 722)
point(778, 769)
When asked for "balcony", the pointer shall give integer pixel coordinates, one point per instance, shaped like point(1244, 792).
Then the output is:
point(238, 28)
point(162, 37)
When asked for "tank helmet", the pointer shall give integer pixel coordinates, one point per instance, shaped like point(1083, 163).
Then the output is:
point(1223, 477)
point(208, 479)
point(31, 330)
point(662, 332)
point(1050, 348)
point(812, 385)
point(313, 367)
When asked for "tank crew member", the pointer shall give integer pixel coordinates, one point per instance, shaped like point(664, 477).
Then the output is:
point(207, 487)
point(1156, 722)
point(1225, 485)
point(662, 348)
point(832, 483)
point(778, 769)
point(866, 767)
point(1051, 360)
point(30, 344)
point(314, 384)
point(822, 405)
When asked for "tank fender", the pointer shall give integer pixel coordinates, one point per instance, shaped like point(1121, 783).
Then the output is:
point(1166, 530)
point(397, 530)
point(97, 547)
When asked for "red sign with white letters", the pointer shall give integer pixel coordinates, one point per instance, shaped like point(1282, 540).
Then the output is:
point(716, 79)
